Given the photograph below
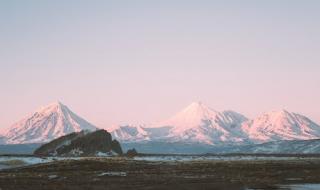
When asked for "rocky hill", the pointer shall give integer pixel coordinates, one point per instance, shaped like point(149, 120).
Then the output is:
point(84, 143)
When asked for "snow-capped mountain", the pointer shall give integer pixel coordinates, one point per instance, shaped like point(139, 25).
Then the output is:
point(46, 124)
point(129, 133)
point(199, 123)
point(195, 124)
point(139, 133)
point(281, 125)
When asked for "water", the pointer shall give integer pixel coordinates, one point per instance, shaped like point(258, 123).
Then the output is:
point(301, 187)
point(291, 187)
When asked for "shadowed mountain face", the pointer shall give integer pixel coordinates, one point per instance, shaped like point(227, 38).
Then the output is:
point(81, 144)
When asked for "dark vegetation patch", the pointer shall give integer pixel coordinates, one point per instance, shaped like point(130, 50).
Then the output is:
point(90, 174)
point(81, 144)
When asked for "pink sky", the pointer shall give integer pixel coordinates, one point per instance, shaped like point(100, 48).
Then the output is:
point(122, 62)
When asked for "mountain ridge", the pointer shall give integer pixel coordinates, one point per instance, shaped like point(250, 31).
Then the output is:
point(195, 124)
point(198, 123)
point(281, 125)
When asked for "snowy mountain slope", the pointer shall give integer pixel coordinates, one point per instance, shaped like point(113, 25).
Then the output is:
point(195, 124)
point(129, 133)
point(281, 125)
point(201, 124)
point(46, 124)
point(138, 133)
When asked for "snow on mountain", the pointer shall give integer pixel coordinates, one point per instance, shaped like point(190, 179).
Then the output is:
point(281, 125)
point(138, 133)
point(46, 124)
point(129, 133)
point(195, 124)
point(201, 124)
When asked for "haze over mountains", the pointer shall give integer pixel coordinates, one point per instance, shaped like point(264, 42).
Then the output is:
point(197, 124)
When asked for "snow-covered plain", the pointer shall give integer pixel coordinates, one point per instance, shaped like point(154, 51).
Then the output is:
point(183, 158)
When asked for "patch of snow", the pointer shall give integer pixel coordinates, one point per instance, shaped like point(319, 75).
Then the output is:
point(129, 133)
point(76, 152)
point(106, 154)
point(120, 174)
point(52, 176)
point(27, 160)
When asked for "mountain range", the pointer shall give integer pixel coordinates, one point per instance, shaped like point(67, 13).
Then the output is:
point(197, 124)
point(200, 124)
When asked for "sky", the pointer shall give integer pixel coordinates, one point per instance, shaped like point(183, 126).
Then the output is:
point(118, 61)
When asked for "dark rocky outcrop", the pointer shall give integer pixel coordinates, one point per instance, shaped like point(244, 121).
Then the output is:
point(116, 147)
point(96, 143)
point(132, 153)
point(51, 147)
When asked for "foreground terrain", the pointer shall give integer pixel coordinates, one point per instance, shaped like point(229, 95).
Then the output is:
point(123, 173)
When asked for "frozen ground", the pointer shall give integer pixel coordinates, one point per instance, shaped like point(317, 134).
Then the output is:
point(16, 161)
point(220, 173)
point(214, 158)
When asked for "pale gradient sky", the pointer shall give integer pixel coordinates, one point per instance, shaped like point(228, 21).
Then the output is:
point(141, 61)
